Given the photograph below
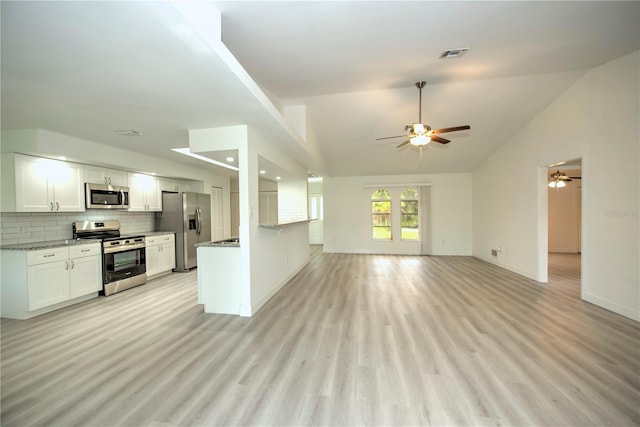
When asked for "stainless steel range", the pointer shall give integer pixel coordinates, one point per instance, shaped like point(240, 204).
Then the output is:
point(123, 257)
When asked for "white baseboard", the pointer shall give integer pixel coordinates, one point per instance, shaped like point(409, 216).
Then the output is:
point(262, 301)
point(526, 274)
point(612, 306)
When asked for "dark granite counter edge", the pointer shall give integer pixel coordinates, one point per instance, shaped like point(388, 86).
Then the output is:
point(217, 245)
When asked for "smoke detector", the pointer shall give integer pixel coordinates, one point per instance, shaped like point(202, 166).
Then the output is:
point(454, 53)
point(128, 132)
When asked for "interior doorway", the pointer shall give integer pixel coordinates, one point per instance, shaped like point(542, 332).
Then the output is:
point(564, 223)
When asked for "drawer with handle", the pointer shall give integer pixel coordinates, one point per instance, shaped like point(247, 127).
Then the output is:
point(79, 251)
point(47, 255)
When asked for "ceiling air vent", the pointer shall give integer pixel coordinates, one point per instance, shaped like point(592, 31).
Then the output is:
point(454, 53)
point(128, 132)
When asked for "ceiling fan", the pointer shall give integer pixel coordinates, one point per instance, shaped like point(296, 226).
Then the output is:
point(421, 134)
point(559, 179)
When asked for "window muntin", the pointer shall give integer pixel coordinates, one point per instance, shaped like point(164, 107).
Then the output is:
point(409, 215)
point(381, 215)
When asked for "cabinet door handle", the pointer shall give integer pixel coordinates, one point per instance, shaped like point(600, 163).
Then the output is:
point(48, 255)
point(105, 180)
point(66, 265)
point(72, 264)
point(85, 250)
point(57, 206)
point(51, 206)
point(109, 180)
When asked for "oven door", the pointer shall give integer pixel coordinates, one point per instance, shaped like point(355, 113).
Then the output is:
point(124, 264)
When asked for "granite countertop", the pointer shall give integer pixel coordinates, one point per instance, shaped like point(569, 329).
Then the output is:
point(233, 242)
point(48, 245)
point(157, 233)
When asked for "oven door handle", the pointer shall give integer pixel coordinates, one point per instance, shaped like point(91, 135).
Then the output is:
point(124, 248)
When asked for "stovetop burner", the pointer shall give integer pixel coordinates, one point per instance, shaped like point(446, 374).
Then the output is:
point(102, 230)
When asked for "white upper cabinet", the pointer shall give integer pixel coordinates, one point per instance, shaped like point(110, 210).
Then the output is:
point(98, 175)
point(172, 185)
point(44, 185)
point(144, 193)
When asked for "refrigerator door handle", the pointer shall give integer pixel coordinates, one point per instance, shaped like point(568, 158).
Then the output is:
point(198, 219)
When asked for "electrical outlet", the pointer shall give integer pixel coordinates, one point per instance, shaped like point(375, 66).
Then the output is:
point(494, 252)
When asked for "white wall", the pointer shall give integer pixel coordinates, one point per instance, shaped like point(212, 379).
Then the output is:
point(564, 215)
point(596, 120)
point(292, 200)
point(316, 227)
point(347, 211)
point(276, 255)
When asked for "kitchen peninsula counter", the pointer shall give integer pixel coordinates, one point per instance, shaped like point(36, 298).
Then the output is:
point(220, 276)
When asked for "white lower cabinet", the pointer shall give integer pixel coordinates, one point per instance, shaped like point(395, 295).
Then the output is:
point(160, 254)
point(37, 281)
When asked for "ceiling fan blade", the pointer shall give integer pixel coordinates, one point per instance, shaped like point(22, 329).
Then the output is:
point(403, 144)
point(436, 138)
point(390, 137)
point(575, 177)
point(453, 129)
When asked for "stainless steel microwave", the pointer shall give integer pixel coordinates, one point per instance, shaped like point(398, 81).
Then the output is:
point(100, 196)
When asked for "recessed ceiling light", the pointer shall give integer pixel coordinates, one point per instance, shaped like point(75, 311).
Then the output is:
point(278, 178)
point(454, 53)
point(187, 152)
point(230, 159)
point(263, 172)
point(128, 132)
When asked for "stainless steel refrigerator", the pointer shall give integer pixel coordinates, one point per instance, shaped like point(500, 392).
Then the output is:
point(189, 216)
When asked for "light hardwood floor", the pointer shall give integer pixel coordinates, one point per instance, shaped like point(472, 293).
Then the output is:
point(351, 340)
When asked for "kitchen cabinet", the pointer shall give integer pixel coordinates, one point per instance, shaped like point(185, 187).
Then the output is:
point(38, 281)
point(173, 185)
point(34, 184)
point(144, 193)
point(98, 175)
point(160, 254)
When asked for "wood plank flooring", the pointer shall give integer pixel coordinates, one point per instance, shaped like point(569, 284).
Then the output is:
point(351, 340)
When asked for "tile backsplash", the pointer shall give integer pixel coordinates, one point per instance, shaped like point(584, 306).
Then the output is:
point(46, 226)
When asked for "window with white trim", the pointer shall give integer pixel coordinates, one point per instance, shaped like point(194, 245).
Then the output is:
point(409, 215)
point(381, 215)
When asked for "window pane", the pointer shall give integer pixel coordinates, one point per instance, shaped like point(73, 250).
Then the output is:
point(381, 215)
point(382, 233)
point(314, 208)
point(409, 193)
point(380, 194)
point(409, 217)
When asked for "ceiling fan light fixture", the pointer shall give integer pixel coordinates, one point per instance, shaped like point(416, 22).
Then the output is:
point(420, 140)
point(418, 128)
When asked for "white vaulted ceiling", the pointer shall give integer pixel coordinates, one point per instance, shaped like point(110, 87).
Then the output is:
point(88, 68)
